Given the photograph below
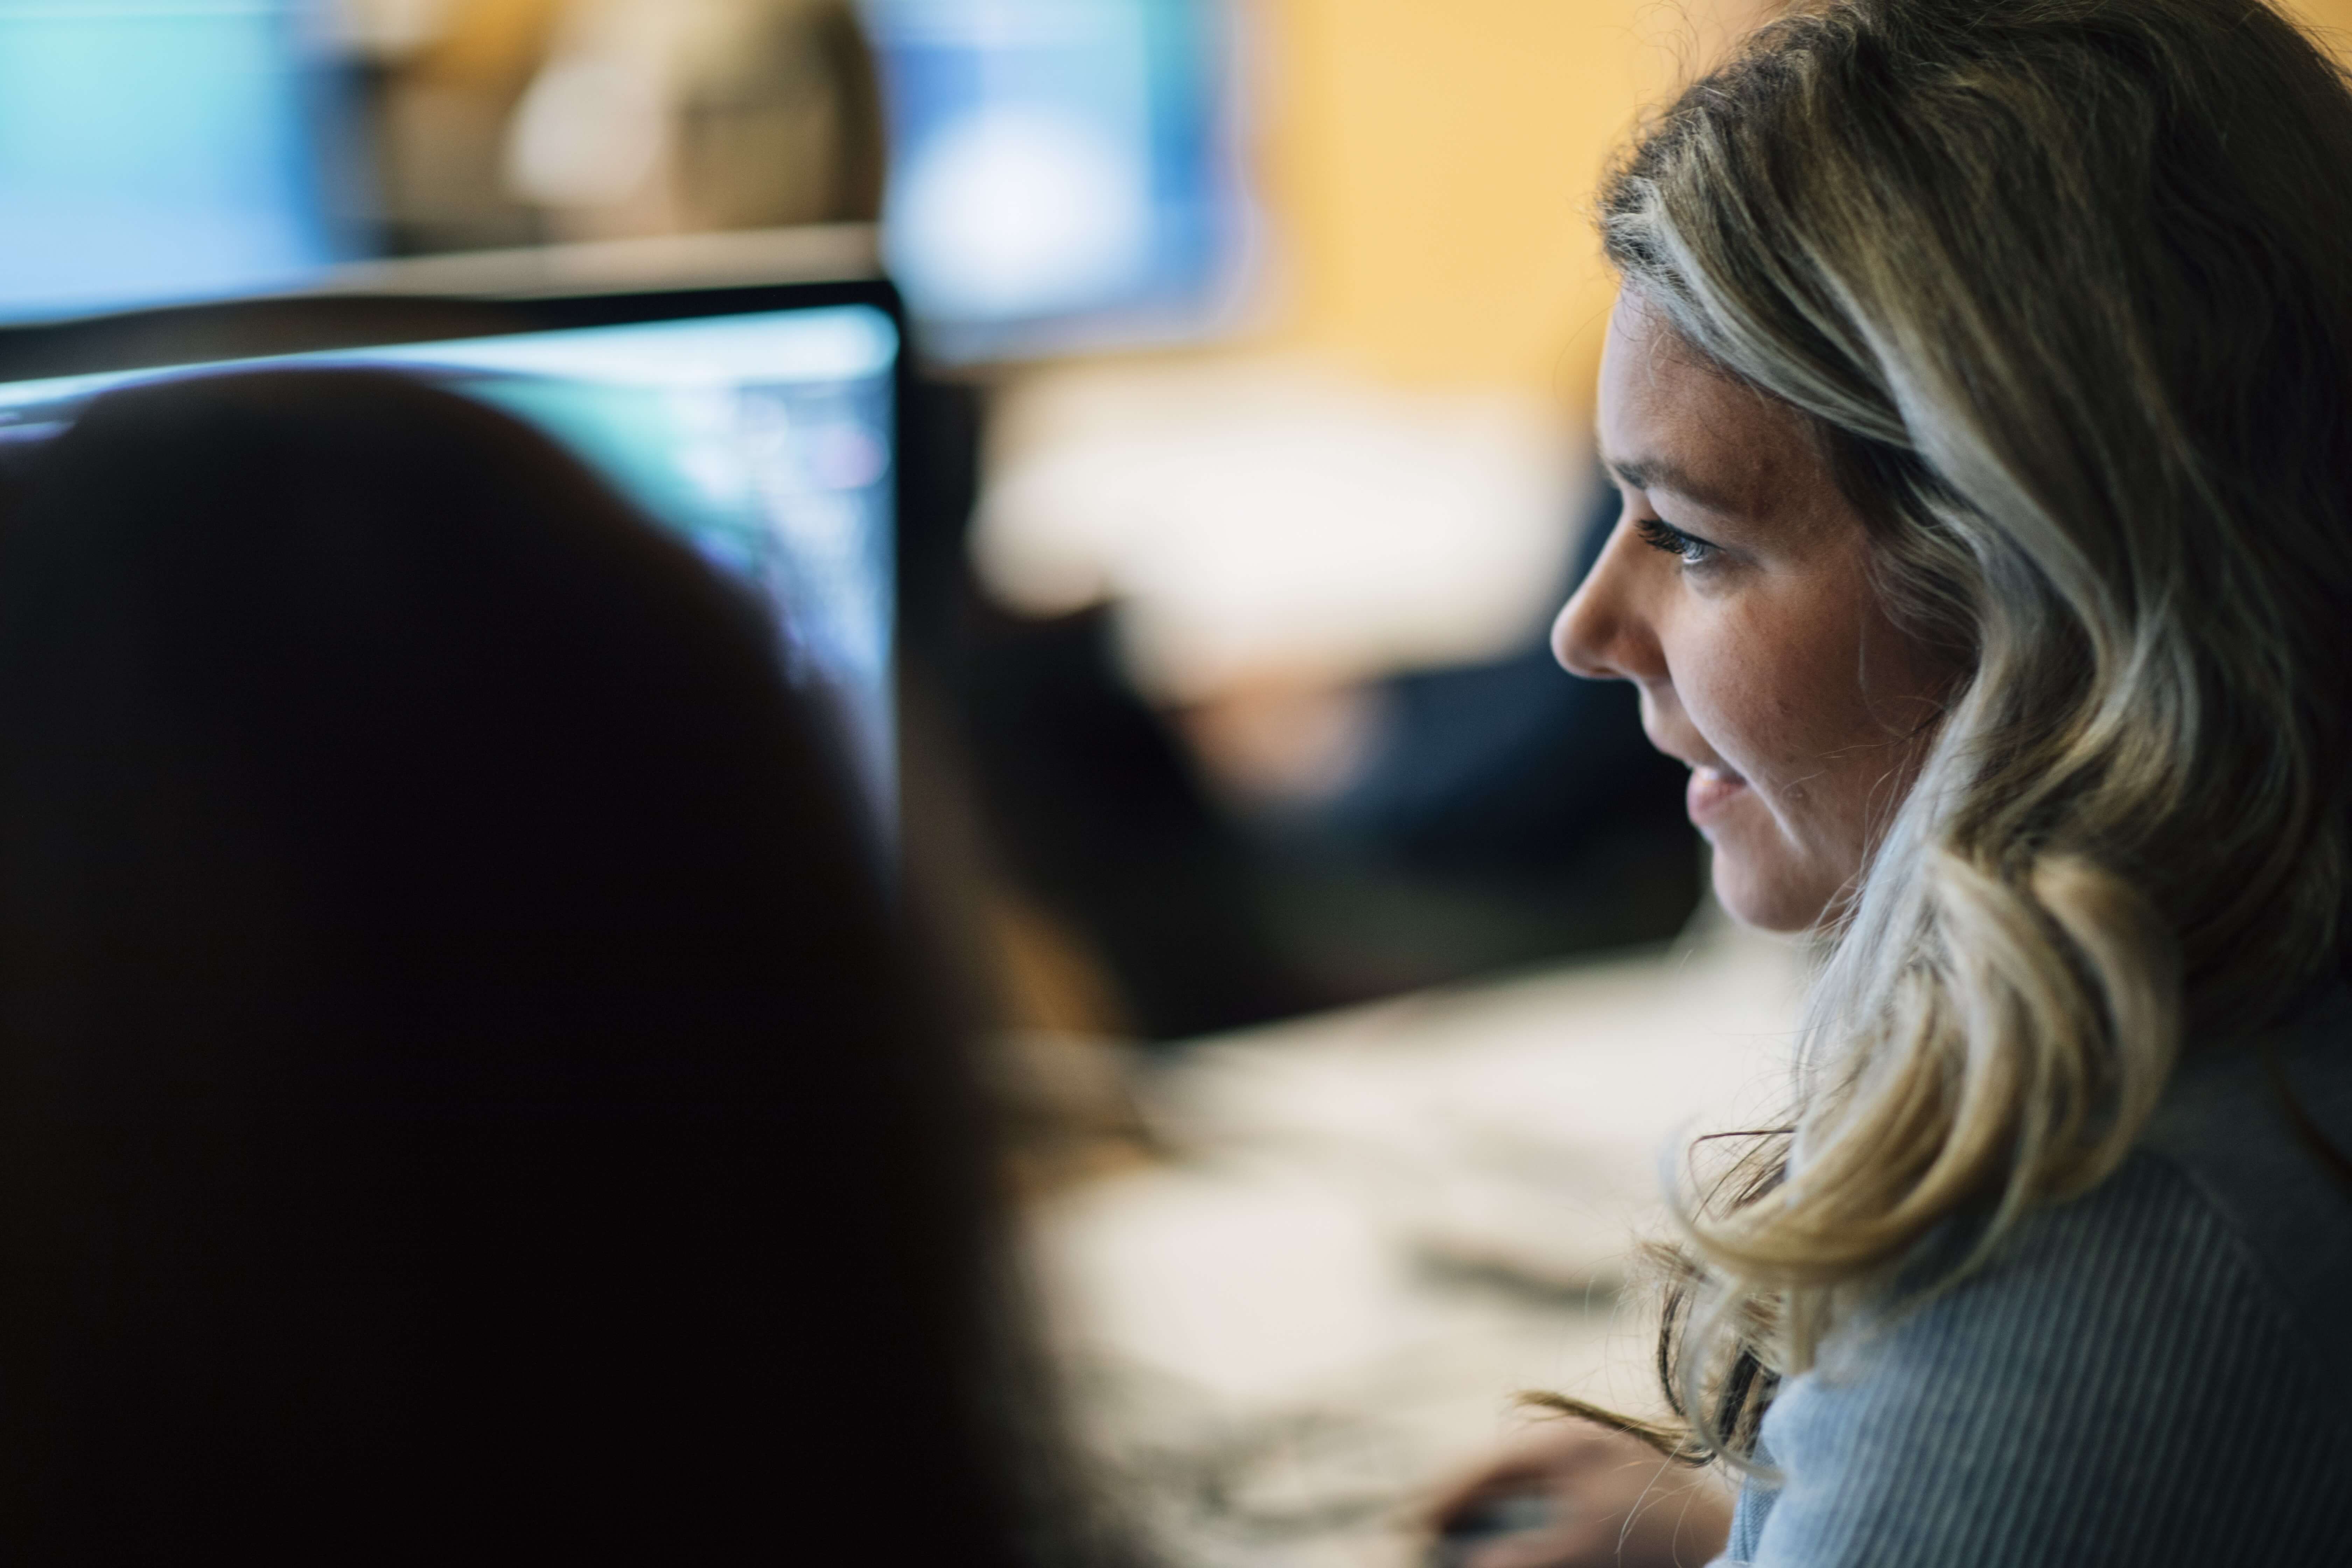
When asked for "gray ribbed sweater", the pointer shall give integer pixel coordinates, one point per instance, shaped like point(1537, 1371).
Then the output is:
point(2156, 1374)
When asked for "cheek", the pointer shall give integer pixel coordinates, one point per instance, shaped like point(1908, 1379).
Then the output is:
point(1787, 845)
point(1748, 690)
point(1780, 699)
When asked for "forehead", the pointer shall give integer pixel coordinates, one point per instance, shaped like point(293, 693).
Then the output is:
point(1671, 422)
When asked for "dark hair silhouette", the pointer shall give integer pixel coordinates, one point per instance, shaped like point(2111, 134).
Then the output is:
point(457, 1095)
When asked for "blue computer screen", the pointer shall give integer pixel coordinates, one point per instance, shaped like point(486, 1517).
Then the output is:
point(1057, 159)
point(766, 440)
point(156, 150)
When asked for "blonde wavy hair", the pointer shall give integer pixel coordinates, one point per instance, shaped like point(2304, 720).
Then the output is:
point(2063, 288)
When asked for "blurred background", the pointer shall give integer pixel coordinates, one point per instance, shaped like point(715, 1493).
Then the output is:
point(1349, 964)
point(1250, 461)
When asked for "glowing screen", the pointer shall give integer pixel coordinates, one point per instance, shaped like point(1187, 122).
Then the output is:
point(156, 150)
point(766, 440)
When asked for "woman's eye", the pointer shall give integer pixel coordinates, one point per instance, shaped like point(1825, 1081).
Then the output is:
point(1659, 534)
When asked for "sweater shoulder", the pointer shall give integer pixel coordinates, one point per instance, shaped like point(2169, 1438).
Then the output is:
point(2225, 1218)
point(2144, 1375)
point(2254, 1133)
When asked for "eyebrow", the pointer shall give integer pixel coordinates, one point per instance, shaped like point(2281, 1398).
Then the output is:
point(1663, 474)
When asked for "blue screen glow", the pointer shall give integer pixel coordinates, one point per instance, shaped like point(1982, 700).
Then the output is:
point(765, 440)
point(154, 151)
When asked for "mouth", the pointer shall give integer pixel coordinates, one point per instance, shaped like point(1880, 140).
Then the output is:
point(1712, 787)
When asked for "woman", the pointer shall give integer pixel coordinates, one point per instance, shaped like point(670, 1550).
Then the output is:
point(459, 1095)
point(1981, 399)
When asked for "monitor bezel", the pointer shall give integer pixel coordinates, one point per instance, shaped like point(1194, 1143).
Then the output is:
point(175, 336)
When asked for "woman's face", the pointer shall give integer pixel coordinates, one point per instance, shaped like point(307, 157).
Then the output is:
point(1735, 593)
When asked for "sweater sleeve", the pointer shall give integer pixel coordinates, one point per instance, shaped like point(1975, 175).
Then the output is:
point(2121, 1386)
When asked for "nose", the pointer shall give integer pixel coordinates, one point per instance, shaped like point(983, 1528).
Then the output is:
point(1603, 632)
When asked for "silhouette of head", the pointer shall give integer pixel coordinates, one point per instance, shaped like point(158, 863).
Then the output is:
point(457, 1091)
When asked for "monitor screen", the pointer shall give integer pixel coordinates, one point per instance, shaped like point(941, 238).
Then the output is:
point(1061, 171)
point(158, 149)
point(764, 439)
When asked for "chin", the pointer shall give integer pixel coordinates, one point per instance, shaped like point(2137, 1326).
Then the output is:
point(1757, 892)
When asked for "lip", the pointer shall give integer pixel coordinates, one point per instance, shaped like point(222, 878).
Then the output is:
point(1711, 792)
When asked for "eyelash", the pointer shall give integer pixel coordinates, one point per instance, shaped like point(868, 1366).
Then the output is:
point(1659, 534)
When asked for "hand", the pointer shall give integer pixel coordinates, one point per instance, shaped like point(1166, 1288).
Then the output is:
point(1577, 1495)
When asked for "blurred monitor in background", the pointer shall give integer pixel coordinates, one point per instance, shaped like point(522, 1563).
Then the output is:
point(1061, 171)
point(161, 149)
point(759, 425)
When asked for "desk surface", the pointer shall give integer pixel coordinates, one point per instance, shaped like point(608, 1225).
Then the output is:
point(1369, 1230)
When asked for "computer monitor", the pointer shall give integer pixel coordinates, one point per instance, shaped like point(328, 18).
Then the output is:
point(161, 150)
point(1063, 172)
point(756, 422)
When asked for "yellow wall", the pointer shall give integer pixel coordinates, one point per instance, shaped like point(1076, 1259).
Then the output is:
point(2331, 20)
point(1428, 166)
